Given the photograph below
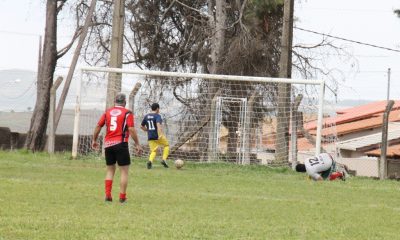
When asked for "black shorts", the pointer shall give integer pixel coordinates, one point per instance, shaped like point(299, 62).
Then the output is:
point(118, 153)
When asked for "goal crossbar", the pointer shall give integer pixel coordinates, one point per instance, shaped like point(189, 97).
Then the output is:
point(201, 75)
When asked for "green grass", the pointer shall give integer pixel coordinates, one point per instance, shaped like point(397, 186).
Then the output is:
point(43, 197)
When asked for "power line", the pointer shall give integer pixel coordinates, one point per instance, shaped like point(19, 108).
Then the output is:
point(22, 94)
point(355, 55)
point(348, 40)
point(352, 10)
point(32, 34)
point(19, 33)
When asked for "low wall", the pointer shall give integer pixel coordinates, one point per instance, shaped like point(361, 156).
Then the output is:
point(14, 140)
point(363, 166)
point(5, 138)
point(393, 168)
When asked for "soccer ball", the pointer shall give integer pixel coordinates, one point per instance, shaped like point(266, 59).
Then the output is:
point(179, 163)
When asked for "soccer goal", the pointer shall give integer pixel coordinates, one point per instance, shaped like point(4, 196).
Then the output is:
point(210, 117)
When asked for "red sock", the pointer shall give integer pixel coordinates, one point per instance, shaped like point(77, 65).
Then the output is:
point(335, 175)
point(122, 196)
point(108, 187)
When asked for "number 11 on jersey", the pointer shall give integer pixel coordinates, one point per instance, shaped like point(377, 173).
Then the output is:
point(150, 125)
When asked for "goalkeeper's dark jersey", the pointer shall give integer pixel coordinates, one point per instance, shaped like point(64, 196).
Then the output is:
point(150, 122)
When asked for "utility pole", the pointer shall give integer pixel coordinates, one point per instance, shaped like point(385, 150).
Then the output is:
point(284, 89)
point(295, 123)
point(388, 85)
point(114, 79)
point(51, 139)
point(132, 95)
point(384, 144)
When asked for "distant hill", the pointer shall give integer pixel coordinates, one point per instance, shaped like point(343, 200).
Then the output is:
point(17, 90)
point(20, 121)
point(18, 94)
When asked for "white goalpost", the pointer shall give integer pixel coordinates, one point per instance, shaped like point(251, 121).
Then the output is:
point(206, 117)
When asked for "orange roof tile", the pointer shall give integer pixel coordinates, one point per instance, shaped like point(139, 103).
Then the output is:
point(356, 126)
point(268, 141)
point(392, 151)
point(355, 113)
point(302, 143)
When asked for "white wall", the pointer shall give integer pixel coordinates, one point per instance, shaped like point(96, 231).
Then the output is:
point(364, 166)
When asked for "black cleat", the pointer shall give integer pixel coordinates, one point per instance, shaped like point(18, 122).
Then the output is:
point(149, 165)
point(122, 200)
point(108, 199)
point(164, 163)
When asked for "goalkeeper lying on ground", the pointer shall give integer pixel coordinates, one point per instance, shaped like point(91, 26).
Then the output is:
point(322, 167)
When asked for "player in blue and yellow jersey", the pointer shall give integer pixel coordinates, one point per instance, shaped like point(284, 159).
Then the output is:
point(152, 124)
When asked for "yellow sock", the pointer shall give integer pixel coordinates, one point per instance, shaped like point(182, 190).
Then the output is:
point(165, 152)
point(152, 156)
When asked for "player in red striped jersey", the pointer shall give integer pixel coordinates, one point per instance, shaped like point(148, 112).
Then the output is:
point(119, 124)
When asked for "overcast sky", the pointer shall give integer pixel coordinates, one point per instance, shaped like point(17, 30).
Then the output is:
point(368, 21)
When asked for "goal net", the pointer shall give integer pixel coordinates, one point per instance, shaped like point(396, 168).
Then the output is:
point(212, 117)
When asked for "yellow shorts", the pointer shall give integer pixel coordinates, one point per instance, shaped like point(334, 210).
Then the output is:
point(161, 142)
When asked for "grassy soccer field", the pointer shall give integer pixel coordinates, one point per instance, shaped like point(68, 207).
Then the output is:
point(44, 197)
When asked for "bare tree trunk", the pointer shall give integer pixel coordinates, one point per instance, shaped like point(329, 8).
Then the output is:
point(114, 79)
point(285, 71)
point(218, 37)
point(36, 137)
point(232, 143)
point(218, 25)
point(233, 125)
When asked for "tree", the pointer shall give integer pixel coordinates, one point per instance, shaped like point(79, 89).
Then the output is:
point(240, 37)
point(219, 37)
point(36, 136)
point(397, 11)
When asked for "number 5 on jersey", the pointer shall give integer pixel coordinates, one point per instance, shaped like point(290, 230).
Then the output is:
point(113, 124)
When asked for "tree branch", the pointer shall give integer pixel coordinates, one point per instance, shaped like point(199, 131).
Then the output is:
point(65, 49)
point(194, 9)
point(239, 20)
point(60, 5)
